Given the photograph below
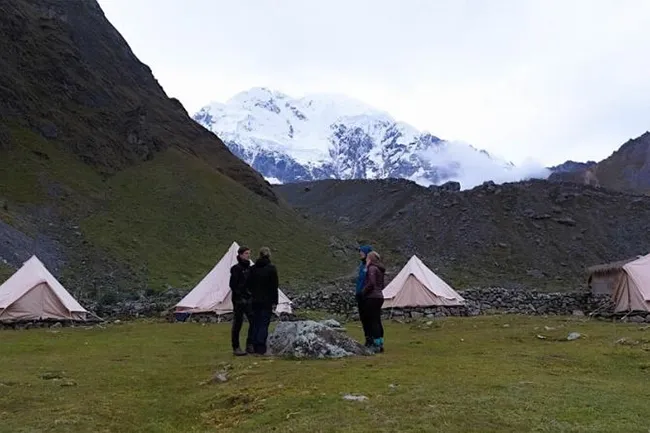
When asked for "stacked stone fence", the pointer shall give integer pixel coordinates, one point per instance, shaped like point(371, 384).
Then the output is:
point(341, 302)
point(478, 301)
point(35, 324)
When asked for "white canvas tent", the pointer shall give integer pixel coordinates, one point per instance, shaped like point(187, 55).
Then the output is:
point(33, 293)
point(417, 286)
point(628, 283)
point(213, 293)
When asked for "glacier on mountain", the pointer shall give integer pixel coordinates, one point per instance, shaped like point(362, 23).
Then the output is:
point(328, 136)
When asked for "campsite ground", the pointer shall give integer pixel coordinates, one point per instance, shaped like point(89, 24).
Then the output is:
point(482, 374)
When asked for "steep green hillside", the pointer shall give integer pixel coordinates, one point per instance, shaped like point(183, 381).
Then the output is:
point(162, 222)
point(109, 181)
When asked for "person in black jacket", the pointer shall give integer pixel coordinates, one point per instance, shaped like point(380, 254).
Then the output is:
point(241, 301)
point(263, 283)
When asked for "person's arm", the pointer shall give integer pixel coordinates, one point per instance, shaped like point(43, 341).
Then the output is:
point(250, 281)
point(276, 285)
point(234, 278)
point(371, 280)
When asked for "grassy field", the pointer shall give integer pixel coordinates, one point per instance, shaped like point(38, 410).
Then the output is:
point(485, 374)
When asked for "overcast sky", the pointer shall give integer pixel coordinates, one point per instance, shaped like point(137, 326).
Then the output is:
point(547, 79)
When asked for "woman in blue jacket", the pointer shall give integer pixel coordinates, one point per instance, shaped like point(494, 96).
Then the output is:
point(361, 281)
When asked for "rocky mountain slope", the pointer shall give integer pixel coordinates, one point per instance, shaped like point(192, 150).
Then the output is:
point(537, 234)
point(335, 137)
point(571, 166)
point(627, 169)
point(107, 179)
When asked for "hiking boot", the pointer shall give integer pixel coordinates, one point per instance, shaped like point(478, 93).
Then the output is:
point(239, 352)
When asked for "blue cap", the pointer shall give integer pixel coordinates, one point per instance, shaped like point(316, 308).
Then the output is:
point(365, 249)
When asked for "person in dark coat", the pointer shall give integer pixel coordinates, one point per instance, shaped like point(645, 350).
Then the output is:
point(361, 280)
point(264, 286)
point(374, 299)
point(241, 301)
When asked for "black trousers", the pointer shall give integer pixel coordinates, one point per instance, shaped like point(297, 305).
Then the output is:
point(363, 317)
point(262, 319)
point(240, 310)
point(372, 309)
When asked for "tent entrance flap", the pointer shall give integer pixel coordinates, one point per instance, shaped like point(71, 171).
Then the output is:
point(38, 303)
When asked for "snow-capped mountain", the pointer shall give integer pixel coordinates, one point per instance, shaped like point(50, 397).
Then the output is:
point(332, 136)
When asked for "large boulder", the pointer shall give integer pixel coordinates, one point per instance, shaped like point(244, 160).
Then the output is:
point(309, 339)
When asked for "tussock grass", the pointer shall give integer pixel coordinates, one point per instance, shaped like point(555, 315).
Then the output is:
point(5, 271)
point(177, 217)
point(484, 374)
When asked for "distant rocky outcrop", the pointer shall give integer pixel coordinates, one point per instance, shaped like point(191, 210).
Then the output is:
point(627, 169)
point(535, 234)
point(571, 166)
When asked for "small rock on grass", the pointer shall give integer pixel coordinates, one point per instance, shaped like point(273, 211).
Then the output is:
point(51, 375)
point(219, 377)
point(573, 336)
point(351, 397)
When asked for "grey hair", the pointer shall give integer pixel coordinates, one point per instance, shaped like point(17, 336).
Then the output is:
point(265, 252)
point(374, 257)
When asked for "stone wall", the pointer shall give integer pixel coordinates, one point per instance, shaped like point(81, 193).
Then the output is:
point(340, 301)
point(53, 324)
point(504, 301)
point(479, 301)
point(134, 305)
